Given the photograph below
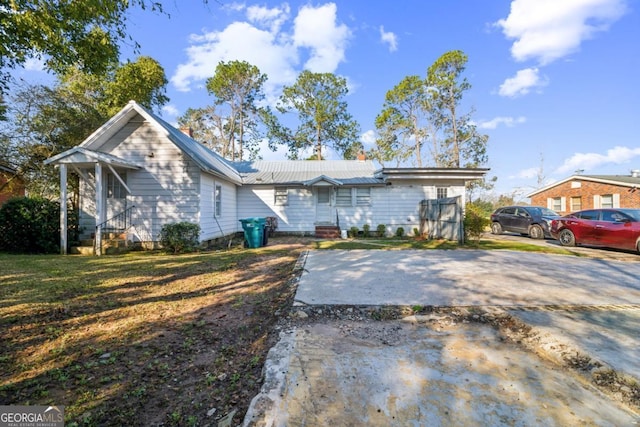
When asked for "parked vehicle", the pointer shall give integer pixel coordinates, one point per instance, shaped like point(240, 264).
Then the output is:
point(533, 221)
point(612, 228)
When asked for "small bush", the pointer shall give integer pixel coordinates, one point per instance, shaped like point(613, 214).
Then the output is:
point(366, 230)
point(381, 230)
point(30, 225)
point(416, 232)
point(353, 231)
point(399, 232)
point(475, 223)
point(180, 237)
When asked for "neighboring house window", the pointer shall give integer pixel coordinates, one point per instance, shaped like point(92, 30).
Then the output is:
point(441, 192)
point(343, 197)
point(556, 204)
point(282, 196)
point(576, 204)
point(606, 201)
point(363, 196)
point(217, 197)
point(115, 189)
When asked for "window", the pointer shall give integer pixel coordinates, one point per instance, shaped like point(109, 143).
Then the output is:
point(343, 197)
point(115, 189)
point(556, 204)
point(576, 204)
point(363, 196)
point(441, 192)
point(217, 197)
point(282, 196)
point(606, 201)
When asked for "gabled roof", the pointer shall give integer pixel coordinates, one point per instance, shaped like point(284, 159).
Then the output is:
point(308, 172)
point(206, 159)
point(620, 180)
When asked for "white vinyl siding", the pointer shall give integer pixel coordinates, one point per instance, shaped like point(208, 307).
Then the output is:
point(297, 216)
point(218, 217)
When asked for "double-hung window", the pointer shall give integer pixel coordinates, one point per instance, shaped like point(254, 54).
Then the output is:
point(281, 196)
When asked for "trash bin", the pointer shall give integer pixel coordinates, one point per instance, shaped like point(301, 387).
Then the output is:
point(253, 231)
point(265, 236)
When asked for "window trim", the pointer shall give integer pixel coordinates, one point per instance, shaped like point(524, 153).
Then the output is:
point(442, 189)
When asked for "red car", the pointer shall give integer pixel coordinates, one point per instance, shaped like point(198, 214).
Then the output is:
point(611, 228)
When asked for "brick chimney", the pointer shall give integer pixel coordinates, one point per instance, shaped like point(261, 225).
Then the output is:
point(187, 131)
point(361, 156)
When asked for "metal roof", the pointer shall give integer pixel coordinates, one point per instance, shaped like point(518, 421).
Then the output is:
point(301, 172)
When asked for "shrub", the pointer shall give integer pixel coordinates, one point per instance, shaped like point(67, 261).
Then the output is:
point(475, 222)
point(400, 232)
point(353, 231)
point(381, 230)
point(180, 237)
point(416, 232)
point(366, 230)
point(30, 225)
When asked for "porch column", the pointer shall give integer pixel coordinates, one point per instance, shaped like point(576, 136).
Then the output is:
point(63, 209)
point(99, 209)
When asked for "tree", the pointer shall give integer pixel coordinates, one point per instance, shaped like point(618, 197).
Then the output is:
point(460, 140)
point(322, 113)
point(236, 122)
point(403, 123)
point(46, 121)
point(64, 33)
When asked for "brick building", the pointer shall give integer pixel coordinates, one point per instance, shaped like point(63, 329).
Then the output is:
point(580, 192)
point(10, 185)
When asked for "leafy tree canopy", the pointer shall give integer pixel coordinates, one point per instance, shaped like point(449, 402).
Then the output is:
point(318, 99)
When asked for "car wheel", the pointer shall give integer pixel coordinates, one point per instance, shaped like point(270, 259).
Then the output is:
point(496, 228)
point(536, 232)
point(566, 238)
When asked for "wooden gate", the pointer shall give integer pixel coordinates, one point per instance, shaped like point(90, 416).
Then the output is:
point(441, 218)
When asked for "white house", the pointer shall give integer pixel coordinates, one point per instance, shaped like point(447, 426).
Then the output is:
point(140, 171)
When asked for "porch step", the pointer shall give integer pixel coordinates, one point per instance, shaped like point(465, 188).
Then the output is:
point(109, 247)
point(327, 232)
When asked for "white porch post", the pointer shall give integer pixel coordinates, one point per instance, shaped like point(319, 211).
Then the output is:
point(63, 209)
point(99, 209)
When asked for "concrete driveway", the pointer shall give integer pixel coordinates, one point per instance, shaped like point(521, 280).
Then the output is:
point(436, 370)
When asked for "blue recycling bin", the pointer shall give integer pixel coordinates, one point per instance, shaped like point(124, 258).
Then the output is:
point(253, 231)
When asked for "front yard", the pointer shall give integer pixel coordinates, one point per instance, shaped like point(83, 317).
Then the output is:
point(149, 338)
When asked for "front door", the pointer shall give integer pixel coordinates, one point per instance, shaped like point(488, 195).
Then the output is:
point(323, 205)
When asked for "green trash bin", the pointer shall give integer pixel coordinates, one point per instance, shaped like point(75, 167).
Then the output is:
point(253, 231)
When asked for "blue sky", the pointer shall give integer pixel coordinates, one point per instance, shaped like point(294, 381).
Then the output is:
point(554, 82)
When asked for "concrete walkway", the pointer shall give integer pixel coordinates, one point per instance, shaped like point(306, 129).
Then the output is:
point(440, 373)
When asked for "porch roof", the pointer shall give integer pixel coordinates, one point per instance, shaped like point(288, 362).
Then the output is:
point(84, 156)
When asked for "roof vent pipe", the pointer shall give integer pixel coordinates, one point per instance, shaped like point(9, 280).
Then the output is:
point(635, 173)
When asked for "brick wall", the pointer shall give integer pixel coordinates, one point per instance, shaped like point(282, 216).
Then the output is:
point(586, 191)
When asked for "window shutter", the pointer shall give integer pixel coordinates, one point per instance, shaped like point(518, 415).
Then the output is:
point(596, 201)
point(563, 204)
point(616, 200)
point(549, 203)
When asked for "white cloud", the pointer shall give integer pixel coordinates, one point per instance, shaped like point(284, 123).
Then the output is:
point(272, 18)
point(522, 83)
point(389, 38)
point(316, 28)
point(586, 161)
point(497, 121)
point(547, 30)
point(270, 40)
point(170, 110)
point(34, 64)
point(368, 139)
point(526, 174)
